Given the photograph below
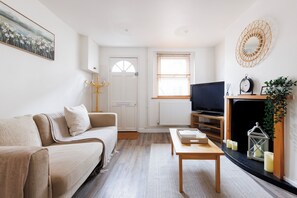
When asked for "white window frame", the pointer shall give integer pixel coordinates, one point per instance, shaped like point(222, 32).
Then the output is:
point(157, 74)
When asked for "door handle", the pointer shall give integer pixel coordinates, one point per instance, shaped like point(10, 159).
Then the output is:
point(136, 73)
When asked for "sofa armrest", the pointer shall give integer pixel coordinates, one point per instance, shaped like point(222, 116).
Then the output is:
point(103, 119)
point(37, 182)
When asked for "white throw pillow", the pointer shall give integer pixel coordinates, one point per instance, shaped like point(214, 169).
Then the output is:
point(77, 119)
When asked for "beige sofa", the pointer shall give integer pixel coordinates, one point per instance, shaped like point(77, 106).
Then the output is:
point(53, 169)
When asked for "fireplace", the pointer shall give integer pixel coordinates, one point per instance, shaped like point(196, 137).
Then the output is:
point(245, 114)
point(242, 113)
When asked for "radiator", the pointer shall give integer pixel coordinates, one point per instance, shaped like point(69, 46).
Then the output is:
point(175, 113)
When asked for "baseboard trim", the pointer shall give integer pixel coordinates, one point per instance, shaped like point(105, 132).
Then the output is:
point(164, 129)
point(293, 183)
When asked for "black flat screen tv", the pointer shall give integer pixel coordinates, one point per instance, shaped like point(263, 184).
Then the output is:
point(208, 98)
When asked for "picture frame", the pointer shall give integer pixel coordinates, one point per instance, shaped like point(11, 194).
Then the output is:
point(263, 90)
point(18, 31)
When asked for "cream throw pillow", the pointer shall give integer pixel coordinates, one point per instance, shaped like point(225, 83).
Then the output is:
point(77, 119)
point(19, 131)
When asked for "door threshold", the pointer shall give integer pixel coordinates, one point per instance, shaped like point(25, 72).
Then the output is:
point(128, 135)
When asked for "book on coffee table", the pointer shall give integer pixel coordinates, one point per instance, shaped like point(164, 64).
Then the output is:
point(192, 136)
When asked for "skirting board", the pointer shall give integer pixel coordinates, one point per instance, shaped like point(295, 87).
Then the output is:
point(293, 183)
point(158, 129)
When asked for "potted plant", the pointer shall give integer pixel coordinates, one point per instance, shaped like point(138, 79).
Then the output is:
point(275, 110)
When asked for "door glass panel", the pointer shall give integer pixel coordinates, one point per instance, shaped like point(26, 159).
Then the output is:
point(123, 66)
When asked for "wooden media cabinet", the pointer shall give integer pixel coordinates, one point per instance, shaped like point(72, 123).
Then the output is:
point(212, 126)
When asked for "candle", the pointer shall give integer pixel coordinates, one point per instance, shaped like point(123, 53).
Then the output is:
point(234, 146)
point(229, 143)
point(268, 161)
point(257, 151)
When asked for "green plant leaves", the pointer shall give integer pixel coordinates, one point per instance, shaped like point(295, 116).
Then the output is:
point(275, 110)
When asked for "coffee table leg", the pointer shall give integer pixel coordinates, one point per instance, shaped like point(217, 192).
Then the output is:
point(180, 174)
point(218, 178)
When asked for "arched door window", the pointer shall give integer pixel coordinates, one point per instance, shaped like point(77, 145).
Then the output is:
point(123, 66)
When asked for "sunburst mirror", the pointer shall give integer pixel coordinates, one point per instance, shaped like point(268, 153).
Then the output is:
point(253, 43)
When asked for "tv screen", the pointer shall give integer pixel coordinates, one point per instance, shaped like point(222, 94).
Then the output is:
point(208, 97)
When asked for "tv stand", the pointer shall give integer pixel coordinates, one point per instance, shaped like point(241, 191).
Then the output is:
point(210, 113)
point(211, 125)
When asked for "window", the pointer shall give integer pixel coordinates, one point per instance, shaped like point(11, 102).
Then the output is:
point(123, 66)
point(173, 75)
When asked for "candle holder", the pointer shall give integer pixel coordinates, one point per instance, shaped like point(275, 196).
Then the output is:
point(97, 86)
point(258, 143)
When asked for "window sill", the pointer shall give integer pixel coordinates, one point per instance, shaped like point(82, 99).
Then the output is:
point(171, 97)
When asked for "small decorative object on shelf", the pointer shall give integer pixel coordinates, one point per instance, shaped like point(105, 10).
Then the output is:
point(97, 85)
point(246, 85)
point(263, 90)
point(268, 161)
point(258, 143)
point(192, 136)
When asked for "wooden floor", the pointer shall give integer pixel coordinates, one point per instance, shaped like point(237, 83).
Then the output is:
point(128, 171)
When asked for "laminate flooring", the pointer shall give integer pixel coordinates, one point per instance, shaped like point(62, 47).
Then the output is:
point(126, 174)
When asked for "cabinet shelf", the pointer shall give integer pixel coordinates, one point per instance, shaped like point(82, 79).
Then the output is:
point(212, 126)
point(209, 125)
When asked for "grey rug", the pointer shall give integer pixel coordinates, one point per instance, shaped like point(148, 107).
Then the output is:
point(198, 177)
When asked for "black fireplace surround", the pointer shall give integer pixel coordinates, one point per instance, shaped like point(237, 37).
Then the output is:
point(244, 115)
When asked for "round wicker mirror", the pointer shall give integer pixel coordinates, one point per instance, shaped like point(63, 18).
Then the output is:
point(253, 43)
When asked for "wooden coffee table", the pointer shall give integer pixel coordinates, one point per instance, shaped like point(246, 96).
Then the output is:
point(195, 152)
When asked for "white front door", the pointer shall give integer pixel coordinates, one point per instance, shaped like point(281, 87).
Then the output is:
point(123, 92)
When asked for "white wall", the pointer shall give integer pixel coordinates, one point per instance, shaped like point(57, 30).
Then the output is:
point(281, 61)
point(204, 65)
point(220, 61)
point(30, 84)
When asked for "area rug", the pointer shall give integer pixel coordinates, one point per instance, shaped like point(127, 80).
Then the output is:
point(198, 177)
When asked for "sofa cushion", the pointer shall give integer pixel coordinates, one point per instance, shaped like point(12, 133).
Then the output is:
point(44, 129)
point(19, 131)
point(77, 119)
point(71, 162)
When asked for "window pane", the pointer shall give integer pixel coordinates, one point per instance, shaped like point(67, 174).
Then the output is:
point(173, 74)
point(174, 86)
point(173, 65)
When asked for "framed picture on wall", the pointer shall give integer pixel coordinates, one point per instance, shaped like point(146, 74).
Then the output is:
point(20, 32)
point(263, 90)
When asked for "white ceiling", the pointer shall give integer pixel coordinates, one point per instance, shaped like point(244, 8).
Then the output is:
point(150, 23)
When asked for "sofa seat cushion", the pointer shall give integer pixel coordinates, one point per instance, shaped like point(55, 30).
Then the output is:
point(71, 162)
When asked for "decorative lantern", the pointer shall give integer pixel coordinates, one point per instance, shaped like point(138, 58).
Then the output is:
point(258, 142)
